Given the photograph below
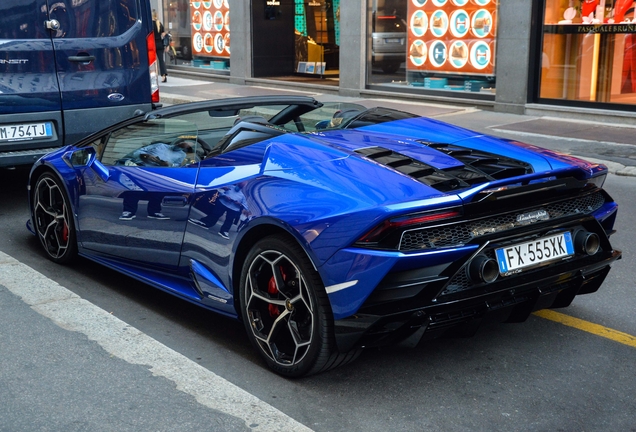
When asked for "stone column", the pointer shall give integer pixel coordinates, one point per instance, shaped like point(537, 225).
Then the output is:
point(513, 55)
point(353, 52)
point(241, 41)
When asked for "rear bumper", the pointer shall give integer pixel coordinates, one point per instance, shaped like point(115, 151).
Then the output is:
point(500, 302)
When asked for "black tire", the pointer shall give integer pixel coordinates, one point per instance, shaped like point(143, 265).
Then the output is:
point(286, 310)
point(53, 219)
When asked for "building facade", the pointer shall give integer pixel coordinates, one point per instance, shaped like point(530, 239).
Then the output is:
point(568, 57)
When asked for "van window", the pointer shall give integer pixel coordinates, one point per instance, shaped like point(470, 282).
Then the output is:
point(93, 18)
point(20, 20)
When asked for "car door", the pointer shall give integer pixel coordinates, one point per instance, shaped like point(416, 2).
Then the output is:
point(102, 61)
point(133, 204)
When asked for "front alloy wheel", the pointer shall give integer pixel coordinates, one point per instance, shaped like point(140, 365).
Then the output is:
point(52, 219)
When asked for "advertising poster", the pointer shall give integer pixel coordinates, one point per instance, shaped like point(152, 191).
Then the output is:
point(456, 36)
point(210, 28)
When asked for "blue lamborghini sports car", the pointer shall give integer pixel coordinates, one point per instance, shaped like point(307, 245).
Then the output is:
point(326, 228)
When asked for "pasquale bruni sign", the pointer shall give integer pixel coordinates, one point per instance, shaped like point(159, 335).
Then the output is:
point(590, 28)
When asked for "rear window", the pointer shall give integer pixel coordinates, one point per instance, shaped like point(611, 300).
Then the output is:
point(94, 18)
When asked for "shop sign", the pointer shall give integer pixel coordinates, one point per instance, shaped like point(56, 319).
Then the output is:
point(590, 28)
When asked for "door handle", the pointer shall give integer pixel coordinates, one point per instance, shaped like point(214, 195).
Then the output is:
point(81, 58)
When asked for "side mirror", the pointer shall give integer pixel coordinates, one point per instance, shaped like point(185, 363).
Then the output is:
point(82, 157)
point(87, 157)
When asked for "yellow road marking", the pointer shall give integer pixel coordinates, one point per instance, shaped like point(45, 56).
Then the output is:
point(589, 327)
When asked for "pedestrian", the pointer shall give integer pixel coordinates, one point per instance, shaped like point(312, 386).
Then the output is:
point(160, 33)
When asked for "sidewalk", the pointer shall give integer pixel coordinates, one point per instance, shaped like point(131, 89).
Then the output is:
point(615, 146)
point(68, 365)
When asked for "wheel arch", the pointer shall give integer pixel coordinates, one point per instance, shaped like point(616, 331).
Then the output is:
point(36, 172)
point(42, 168)
point(246, 242)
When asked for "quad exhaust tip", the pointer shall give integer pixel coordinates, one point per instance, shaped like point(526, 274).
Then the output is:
point(587, 242)
point(483, 269)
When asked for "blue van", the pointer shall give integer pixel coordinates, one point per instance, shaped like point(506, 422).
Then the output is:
point(69, 68)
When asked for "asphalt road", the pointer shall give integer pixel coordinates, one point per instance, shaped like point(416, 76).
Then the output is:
point(539, 375)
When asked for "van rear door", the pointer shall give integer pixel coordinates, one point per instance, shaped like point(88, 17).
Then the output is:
point(102, 60)
point(30, 104)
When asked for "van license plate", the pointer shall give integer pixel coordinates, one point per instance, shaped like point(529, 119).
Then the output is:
point(21, 132)
point(523, 255)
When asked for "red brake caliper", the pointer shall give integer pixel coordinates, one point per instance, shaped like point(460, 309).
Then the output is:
point(272, 290)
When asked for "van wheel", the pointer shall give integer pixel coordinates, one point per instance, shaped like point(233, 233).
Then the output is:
point(52, 219)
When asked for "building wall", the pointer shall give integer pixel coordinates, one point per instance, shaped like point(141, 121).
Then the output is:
point(353, 51)
point(513, 55)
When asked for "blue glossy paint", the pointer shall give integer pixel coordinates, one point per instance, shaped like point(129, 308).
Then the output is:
point(142, 191)
point(314, 187)
point(369, 267)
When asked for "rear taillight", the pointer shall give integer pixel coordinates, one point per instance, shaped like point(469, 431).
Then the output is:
point(152, 68)
point(388, 233)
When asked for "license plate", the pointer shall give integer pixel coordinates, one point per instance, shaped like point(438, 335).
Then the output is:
point(523, 255)
point(20, 132)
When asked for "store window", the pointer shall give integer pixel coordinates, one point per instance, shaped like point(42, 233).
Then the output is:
point(200, 33)
point(589, 51)
point(317, 33)
point(439, 45)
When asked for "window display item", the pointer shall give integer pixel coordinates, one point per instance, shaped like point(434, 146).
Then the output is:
point(416, 50)
point(459, 51)
point(569, 15)
point(588, 7)
point(482, 23)
point(435, 83)
point(620, 9)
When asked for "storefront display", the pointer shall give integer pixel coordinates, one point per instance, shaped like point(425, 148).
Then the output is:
point(441, 44)
point(589, 51)
point(210, 33)
point(447, 38)
point(317, 37)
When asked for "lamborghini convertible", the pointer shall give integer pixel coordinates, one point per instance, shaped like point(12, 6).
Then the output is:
point(327, 228)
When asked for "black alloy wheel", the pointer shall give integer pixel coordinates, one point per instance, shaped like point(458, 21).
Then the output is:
point(53, 220)
point(286, 310)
